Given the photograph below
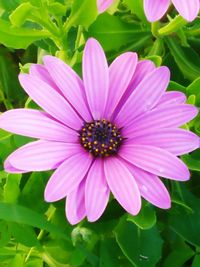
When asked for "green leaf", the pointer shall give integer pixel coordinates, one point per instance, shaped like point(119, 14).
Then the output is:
point(136, 7)
point(114, 33)
point(156, 59)
point(19, 214)
point(196, 261)
point(174, 86)
point(8, 77)
point(4, 234)
point(193, 89)
point(57, 9)
point(17, 261)
point(141, 247)
point(178, 257)
point(173, 26)
point(19, 37)
point(192, 163)
point(24, 234)
point(186, 58)
point(34, 189)
point(83, 12)
point(184, 222)
point(34, 263)
point(11, 188)
point(146, 219)
point(20, 14)
point(108, 252)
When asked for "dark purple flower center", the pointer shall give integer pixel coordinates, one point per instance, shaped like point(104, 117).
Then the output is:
point(101, 138)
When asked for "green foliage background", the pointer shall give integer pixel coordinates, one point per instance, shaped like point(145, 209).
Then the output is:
point(34, 233)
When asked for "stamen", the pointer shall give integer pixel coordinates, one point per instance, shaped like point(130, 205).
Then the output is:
point(101, 138)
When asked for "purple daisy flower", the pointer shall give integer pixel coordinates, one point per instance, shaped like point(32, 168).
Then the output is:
point(103, 5)
point(116, 130)
point(155, 9)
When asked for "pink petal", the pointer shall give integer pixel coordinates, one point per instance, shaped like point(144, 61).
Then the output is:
point(145, 96)
point(10, 169)
point(156, 161)
point(96, 191)
point(164, 117)
point(95, 77)
point(36, 124)
point(51, 101)
point(68, 175)
point(188, 9)
point(177, 141)
point(42, 155)
point(143, 69)
point(172, 97)
point(122, 185)
point(41, 72)
point(103, 5)
point(75, 204)
point(120, 73)
point(151, 188)
point(69, 83)
point(155, 9)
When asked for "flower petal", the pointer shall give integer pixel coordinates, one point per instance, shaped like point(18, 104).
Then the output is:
point(143, 68)
point(122, 185)
point(10, 169)
point(96, 191)
point(69, 83)
point(75, 204)
point(68, 175)
point(103, 5)
point(155, 9)
point(42, 155)
point(164, 117)
point(177, 141)
point(188, 9)
point(151, 188)
point(156, 161)
point(120, 73)
point(36, 124)
point(41, 72)
point(95, 77)
point(145, 96)
point(52, 102)
point(172, 97)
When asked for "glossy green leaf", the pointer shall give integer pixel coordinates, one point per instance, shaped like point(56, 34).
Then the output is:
point(141, 247)
point(191, 162)
point(196, 261)
point(11, 188)
point(107, 28)
point(23, 234)
point(186, 58)
point(34, 263)
point(19, 15)
point(184, 222)
point(136, 7)
point(22, 215)
point(193, 89)
point(19, 37)
point(4, 234)
point(83, 12)
point(178, 257)
point(17, 261)
point(145, 219)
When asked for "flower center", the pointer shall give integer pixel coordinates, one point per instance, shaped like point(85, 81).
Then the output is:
point(101, 138)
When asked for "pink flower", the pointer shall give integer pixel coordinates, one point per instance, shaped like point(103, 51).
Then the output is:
point(103, 5)
point(117, 130)
point(155, 9)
